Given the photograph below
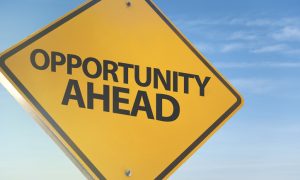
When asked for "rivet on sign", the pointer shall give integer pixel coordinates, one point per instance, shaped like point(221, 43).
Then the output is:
point(128, 4)
point(128, 173)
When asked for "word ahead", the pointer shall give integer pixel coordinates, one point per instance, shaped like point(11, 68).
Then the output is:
point(108, 70)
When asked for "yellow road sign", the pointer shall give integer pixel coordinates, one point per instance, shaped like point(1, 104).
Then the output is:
point(121, 90)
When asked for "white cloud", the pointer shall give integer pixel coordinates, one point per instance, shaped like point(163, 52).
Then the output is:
point(232, 47)
point(287, 33)
point(268, 86)
point(277, 48)
point(271, 48)
point(205, 47)
point(240, 35)
point(254, 85)
point(254, 35)
point(261, 22)
point(269, 64)
point(293, 52)
point(256, 22)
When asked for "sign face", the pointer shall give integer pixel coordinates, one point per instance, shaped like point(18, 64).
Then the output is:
point(120, 89)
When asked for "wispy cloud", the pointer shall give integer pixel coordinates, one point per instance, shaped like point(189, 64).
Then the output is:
point(287, 34)
point(253, 85)
point(249, 35)
point(267, 86)
point(256, 22)
point(271, 48)
point(293, 52)
point(261, 22)
point(205, 47)
point(231, 47)
point(241, 35)
point(269, 64)
point(277, 48)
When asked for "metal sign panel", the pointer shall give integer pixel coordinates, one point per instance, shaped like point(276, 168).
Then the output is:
point(120, 89)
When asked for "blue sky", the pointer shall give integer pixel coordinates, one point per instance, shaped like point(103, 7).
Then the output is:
point(255, 44)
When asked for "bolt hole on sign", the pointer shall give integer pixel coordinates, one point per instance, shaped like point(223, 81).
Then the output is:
point(120, 89)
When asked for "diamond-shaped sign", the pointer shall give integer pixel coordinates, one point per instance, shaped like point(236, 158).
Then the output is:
point(121, 90)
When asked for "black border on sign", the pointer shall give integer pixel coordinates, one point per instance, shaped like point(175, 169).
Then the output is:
point(67, 139)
